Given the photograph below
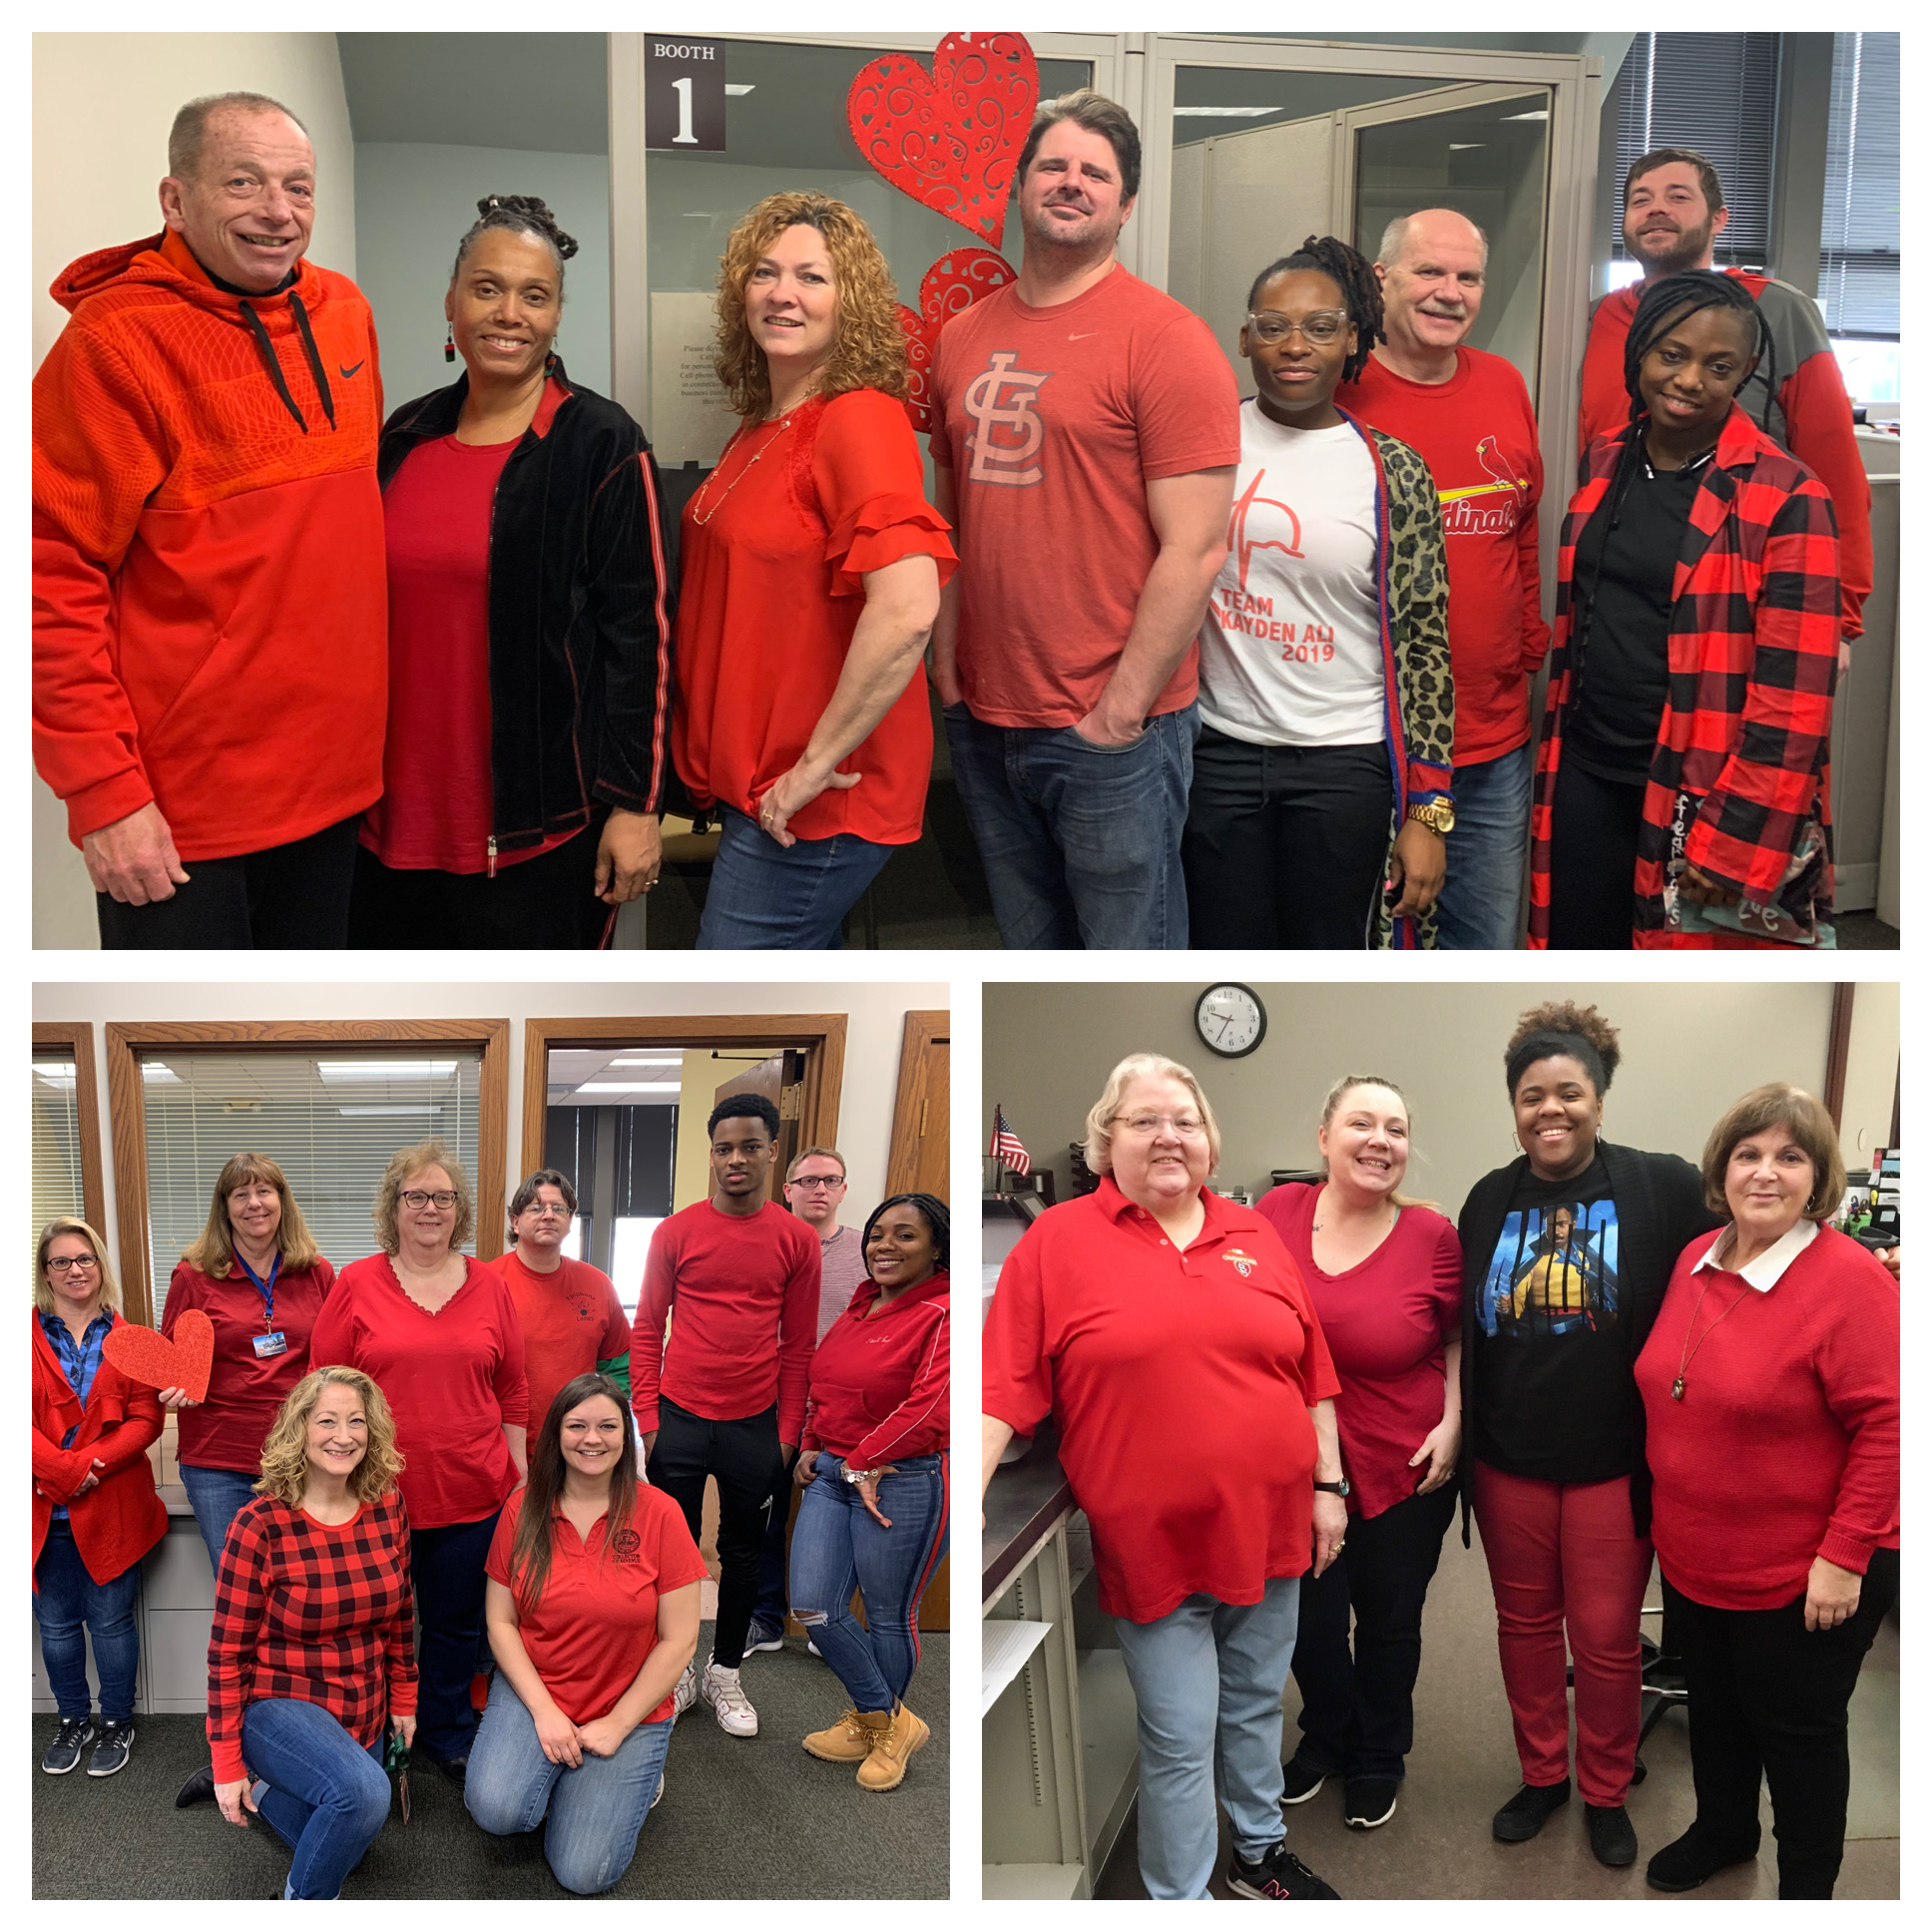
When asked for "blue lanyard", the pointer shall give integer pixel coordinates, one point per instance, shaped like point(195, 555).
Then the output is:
point(266, 1289)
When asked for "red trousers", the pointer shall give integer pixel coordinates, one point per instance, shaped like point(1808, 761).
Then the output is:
point(1565, 1557)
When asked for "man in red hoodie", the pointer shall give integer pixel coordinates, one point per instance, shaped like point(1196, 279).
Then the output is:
point(209, 602)
point(1674, 211)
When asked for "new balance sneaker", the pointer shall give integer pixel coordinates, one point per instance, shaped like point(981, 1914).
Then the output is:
point(721, 1690)
point(1298, 1783)
point(1276, 1874)
point(762, 1637)
point(64, 1754)
point(111, 1752)
point(686, 1694)
point(1368, 1801)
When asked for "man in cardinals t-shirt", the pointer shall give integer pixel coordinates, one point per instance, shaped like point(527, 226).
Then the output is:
point(736, 1278)
point(1468, 413)
point(1089, 433)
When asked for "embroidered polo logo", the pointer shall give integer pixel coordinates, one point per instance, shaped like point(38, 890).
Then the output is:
point(1244, 1265)
point(626, 1545)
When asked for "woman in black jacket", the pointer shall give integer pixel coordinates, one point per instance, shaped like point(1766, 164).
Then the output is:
point(1566, 1256)
point(529, 630)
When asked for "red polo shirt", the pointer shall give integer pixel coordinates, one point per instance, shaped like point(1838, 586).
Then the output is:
point(1181, 1383)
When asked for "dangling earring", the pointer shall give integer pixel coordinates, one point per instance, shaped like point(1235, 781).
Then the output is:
point(449, 344)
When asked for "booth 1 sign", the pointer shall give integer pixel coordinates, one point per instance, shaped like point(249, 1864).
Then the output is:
point(683, 94)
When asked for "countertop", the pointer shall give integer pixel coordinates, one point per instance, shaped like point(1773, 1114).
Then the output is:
point(1024, 1503)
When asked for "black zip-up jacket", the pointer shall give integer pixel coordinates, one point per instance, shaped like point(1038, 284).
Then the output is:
point(1659, 1213)
point(580, 611)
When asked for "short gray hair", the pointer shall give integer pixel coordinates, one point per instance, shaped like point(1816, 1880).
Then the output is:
point(1143, 1066)
point(190, 132)
point(1397, 232)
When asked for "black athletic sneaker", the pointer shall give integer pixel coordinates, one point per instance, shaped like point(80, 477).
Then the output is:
point(1612, 1835)
point(1529, 1811)
point(111, 1753)
point(1298, 1783)
point(1278, 1874)
point(1685, 1863)
point(1368, 1801)
point(64, 1754)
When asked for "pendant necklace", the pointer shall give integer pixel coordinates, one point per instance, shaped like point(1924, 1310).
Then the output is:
point(784, 422)
point(1688, 1354)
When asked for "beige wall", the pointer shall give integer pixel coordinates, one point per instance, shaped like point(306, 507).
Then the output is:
point(1871, 1075)
point(103, 104)
point(1689, 1050)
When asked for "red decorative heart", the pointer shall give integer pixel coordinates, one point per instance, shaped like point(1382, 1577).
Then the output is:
point(954, 282)
point(148, 1356)
point(949, 138)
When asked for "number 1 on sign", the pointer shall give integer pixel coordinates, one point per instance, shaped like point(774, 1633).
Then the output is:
point(683, 91)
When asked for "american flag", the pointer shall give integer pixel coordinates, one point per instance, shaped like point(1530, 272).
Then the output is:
point(1006, 1148)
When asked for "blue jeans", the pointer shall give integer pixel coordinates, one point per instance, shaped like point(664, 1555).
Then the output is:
point(1080, 846)
point(1480, 906)
point(836, 1547)
point(217, 1496)
point(326, 1797)
point(71, 1606)
point(764, 895)
point(594, 1812)
point(1208, 1681)
point(446, 1573)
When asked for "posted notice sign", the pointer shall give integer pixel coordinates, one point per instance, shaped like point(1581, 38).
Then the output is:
point(683, 94)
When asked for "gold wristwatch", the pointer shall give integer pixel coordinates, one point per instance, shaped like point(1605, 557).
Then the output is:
point(1439, 818)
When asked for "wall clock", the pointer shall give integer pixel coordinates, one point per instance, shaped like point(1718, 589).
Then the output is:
point(1230, 1020)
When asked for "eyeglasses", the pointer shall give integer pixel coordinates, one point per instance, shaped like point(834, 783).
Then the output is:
point(1326, 325)
point(61, 1263)
point(421, 1198)
point(543, 1209)
point(1146, 1126)
point(817, 1180)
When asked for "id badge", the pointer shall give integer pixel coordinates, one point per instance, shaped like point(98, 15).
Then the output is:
point(275, 1343)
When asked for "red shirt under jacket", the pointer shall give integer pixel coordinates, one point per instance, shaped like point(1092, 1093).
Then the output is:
point(245, 1390)
point(1385, 1321)
point(745, 1288)
point(571, 1321)
point(453, 1379)
point(596, 1624)
point(1785, 1444)
point(321, 1613)
point(1182, 1385)
point(879, 1382)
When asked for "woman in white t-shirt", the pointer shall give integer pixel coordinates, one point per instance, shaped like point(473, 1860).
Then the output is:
point(1320, 803)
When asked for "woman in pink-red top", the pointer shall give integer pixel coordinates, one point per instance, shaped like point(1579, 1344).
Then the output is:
point(1387, 1277)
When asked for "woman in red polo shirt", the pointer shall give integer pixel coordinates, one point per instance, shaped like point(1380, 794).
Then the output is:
point(1770, 1391)
point(593, 1612)
point(1168, 1333)
point(815, 750)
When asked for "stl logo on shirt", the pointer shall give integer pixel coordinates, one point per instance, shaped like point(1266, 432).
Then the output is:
point(1000, 399)
point(1464, 515)
point(1243, 1264)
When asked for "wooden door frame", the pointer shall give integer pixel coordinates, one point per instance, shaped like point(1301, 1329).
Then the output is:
point(128, 1041)
point(1838, 1051)
point(921, 1030)
point(75, 1037)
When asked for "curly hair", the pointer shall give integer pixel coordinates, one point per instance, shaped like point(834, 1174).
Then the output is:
point(1562, 1026)
point(110, 1290)
point(868, 346)
point(1361, 294)
point(284, 1455)
point(1803, 1118)
point(519, 214)
point(433, 1152)
point(213, 1253)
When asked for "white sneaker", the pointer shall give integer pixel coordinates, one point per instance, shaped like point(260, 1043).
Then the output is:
point(686, 1694)
point(813, 1647)
point(721, 1690)
point(659, 1793)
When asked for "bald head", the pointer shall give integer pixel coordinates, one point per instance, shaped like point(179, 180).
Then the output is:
point(1431, 267)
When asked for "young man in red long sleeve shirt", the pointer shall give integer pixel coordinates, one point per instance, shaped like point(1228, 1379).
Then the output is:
point(726, 1396)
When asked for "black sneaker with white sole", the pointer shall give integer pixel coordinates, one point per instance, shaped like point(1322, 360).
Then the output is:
point(762, 1637)
point(111, 1752)
point(1298, 1783)
point(1368, 1801)
point(64, 1754)
point(1276, 1874)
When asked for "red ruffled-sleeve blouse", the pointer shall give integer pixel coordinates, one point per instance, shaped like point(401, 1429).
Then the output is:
point(794, 515)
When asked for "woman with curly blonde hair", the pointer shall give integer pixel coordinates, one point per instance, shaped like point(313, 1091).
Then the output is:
point(309, 1659)
point(439, 1332)
point(810, 583)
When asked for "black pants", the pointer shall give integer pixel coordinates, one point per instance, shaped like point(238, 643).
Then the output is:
point(446, 1572)
point(1357, 1718)
point(1767, 1698)
point(745, 1458)
point(1285, 845)
point(1594, 824)
point(290, 895)
point(539, 902)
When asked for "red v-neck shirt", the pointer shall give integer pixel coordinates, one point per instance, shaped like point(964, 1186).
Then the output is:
point(1182, 1384)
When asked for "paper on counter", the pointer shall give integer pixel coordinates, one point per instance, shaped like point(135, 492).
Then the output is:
point(1005, 1644)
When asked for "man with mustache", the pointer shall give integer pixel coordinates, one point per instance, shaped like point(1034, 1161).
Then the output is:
point(1674, 211)
point(210, 590)
point(1468, 415)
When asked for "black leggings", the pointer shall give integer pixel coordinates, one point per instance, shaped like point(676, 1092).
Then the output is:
point(1593, 826)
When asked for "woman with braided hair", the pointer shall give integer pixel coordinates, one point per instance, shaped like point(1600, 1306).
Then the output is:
point(529, 630)
point(1682, 782)
point(1321, 801)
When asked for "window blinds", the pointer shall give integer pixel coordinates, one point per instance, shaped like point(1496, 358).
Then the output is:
point(1859, 248)
point(57, 1142)
point(331, 1118)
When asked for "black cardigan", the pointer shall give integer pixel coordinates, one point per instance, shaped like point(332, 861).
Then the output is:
point(580, 613)
point(1659, 1213)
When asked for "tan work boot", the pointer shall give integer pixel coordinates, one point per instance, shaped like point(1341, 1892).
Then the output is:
point(850, 1741)
point(884, 1769)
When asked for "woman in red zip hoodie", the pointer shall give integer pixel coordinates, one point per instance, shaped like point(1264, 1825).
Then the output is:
point(876, 1517)
point(96, 1514)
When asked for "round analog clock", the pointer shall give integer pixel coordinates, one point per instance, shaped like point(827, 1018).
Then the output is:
point(1230, 1020)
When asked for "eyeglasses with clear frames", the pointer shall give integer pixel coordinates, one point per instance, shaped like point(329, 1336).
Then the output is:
point(420, 1198)
point(1146, 1126)
point(1326, 325)
point(62, 1264)
point(816, 1180)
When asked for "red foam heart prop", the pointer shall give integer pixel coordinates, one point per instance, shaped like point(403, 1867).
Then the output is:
point(949, 138)
point(954, 282)
point(148, 1356)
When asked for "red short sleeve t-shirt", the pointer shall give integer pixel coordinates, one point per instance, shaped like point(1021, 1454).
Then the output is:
point(1182, 1384)
point(1386, 1321)
point(571, 1321)
point(1053, 421)
point(596, 1621)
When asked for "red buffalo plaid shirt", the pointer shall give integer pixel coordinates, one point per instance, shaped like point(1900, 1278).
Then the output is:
point(320, 1613)
point(1741, 774)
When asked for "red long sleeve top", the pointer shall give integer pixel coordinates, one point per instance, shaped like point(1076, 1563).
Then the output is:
point(745, 1290)
point(879, 1381)
point(1784, 1446)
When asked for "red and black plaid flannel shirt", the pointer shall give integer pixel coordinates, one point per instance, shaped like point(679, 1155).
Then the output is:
point(1753, 663)
point(324, 1615)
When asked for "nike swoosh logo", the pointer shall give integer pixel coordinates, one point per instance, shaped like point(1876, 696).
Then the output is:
point(348, 369)
point(1085, 333)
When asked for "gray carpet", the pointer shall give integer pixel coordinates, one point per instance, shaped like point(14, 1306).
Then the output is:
point(739, 1818)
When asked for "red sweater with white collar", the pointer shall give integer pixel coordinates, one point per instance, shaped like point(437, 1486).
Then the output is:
point(878, 1382)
